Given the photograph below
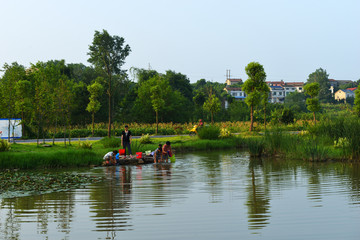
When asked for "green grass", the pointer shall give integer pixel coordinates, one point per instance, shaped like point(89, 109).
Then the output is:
point(31, 156)
point(307, 147)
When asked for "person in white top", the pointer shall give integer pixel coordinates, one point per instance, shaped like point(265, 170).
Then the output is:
point(109, 158)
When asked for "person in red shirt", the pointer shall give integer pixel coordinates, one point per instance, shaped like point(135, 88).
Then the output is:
point(167, 152)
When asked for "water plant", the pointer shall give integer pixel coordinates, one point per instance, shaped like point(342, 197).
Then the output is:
point(314, 150)
point(256, 146)
point(15, 183)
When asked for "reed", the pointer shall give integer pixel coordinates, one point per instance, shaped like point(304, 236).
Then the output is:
point(314, 149)
point(256, 146)
point(341, 128)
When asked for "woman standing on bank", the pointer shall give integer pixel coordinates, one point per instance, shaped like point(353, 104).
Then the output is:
point(126, 138)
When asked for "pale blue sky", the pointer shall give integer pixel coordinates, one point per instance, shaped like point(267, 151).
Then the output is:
point(199, 38)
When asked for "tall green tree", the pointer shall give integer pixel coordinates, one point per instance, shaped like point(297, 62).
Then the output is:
point(254, 87)
point(313, 104)
point(320, 76)
point(157, 101)
point(265, 100)
point(23, 103)
point(95, 90)
point(43, 101)
point(13, 74)
point(108, 54)
point(212, 105)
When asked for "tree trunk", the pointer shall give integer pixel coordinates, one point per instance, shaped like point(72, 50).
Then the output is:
point(251, 117)
point(64, 131)
point(212, 118)
point(109, 126)
point(13, 127)
point(38, 132)
point(314, 118)
point(93, 124)
point(265, 118)
point(22, 124)
point(157, 122)
point(9, 129)
point(55, 130)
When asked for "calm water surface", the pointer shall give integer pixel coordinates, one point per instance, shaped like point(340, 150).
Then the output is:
point(202, 196)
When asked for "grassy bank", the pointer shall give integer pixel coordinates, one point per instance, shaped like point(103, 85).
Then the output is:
point(330, 140)
point(31, 156)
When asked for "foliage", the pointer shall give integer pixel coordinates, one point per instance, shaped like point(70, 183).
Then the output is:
point(225, 133)
point(314, 150)
point(212, 105)
point(239, 111)
point(313, 104)
point(209, 132)
point(94, 105)
point(341, 143)
point(321, 77)
point(108, 54)
point(4, 145)
point(111, 142)
point(296, 102)
point(145, 139)
point(85, 145)
point(287, 116)
point(52, 159)
point(357, 102)
point(254, 87)
point(256, 146)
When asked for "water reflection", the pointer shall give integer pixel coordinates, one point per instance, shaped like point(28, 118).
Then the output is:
point(258, 196)
point(111, 203)
point(225, 193)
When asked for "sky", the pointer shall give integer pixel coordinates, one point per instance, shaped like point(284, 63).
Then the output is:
point(198, 38)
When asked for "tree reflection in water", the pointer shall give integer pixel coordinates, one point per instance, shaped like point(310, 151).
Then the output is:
point(111, 203)
point(133, 198)
point(258, 202)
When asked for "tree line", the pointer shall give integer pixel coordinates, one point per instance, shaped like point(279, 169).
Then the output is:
point(57, 95)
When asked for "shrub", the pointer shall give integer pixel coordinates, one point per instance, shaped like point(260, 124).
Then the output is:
point(209, 132)
point(4, 145)
point(145, 139)
point(287, 116)
point(341, 143)
point(225, 133)
point(137, 146)
point(85, 145)
point(111, 142)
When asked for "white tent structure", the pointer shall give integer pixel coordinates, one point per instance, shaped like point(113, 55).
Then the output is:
point(15, 128)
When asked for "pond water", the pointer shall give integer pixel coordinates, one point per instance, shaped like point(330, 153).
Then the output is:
point(209, 195)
